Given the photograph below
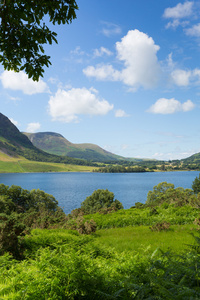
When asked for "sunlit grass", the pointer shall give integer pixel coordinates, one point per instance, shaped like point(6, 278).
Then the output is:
point(26, 166)
point(141, 237)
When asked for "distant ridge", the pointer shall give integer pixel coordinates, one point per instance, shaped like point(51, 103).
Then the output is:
point(195, 158)
point(55, 143)
point(13, 143)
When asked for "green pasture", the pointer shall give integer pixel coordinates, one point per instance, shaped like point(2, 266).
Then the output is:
point(142, 238)
point(26, 166)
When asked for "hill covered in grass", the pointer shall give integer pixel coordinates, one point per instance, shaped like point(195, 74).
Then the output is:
point(14, 144)
point(55, 143)
point(195, 159)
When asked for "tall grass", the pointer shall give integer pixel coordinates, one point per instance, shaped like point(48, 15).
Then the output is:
point(84, 269)
point(146, 216)
point(140, 238)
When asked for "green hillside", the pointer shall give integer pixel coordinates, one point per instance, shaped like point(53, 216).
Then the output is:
point(195, 158)
point(56, 144)
point(17, 145)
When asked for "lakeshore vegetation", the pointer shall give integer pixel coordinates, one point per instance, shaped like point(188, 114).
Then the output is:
point(100, 250)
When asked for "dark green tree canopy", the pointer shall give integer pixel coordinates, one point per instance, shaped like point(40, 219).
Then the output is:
point(166, 193)
point(23, 32)
point(196, 185)
point(98, 200)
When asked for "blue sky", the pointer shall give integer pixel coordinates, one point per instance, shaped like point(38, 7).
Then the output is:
point(124, 76)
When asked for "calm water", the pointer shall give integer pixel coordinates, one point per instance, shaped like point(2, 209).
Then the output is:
point(70, 189)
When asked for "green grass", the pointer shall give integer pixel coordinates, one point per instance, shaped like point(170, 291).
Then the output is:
point(10, 167)
point(26, 166)
point(61, 264)
point(145, 216)
point(141, 238)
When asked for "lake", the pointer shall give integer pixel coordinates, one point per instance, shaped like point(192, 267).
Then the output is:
point(70, 189)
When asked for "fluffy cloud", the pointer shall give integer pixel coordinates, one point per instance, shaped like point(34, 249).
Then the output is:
point(141, 67)
point(20, 81)
point(119, 113)
point(66, 105)
point(33, 127)
point(193, 31)
point(138, 51)
point(179, 11)
point(103, 72)
point(181, 77)
point(170, 106)
point(101, 52)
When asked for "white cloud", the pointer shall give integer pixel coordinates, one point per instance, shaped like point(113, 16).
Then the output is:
point(170, 62)
point(196, 74)
point(175, 23)
point(20, 81)
point(138, 51)
point(175, 154)
point(77, 51)
point(141, 67)
point(33, 127)
point(185, 78)
point(119, 113)
point(13, 121)
point(101, 52)
point(179, 11)
point(103, 72)
point(193, 31)
point(66, 105)
point(170, 106)
point(110, 29)
point(181, 77)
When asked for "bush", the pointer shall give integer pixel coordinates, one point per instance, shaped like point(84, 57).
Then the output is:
point(100, 199)
point(160, 226)
point(164, 193)
point(11, 230)
point(196, 185)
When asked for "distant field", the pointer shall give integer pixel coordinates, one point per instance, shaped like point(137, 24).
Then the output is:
point(17, 165)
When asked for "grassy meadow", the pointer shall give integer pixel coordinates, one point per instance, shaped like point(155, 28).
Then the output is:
point(141, 238)
point(20, 165)
point(118, 263)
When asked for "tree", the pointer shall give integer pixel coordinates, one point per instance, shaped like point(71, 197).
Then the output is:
point(23, 32)
point(166, 193)
point(157, 196)
point(98, 200)
point(196, 185)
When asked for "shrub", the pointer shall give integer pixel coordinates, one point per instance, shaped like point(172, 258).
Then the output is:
point(160, 226)
point(196, 185)
point(11, 230)
point(166, 193)
point(139, 205)
point(100, 199)
point(81, 225)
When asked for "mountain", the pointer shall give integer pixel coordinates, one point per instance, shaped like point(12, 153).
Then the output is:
point(195, 158)
point(15, 144)
point(12, 141)
point(56, 144)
